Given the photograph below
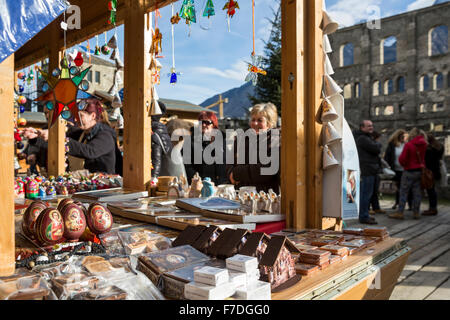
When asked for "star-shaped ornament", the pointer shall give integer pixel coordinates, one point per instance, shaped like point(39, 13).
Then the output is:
point(62, 95)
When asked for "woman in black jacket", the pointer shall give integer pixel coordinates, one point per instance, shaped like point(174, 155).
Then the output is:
point(94, 140)
point(395, 146)
point(433, 155)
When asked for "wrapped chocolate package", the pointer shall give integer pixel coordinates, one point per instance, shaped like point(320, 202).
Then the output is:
point(143, 242)
point(112, 243)
point(26, 288)
point(104, 293)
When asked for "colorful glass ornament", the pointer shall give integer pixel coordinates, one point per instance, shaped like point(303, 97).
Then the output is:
point(175, 19)
point(173, 76)
point(22, 100)
point(112, 6)
point(209, 9)
point(79, 59)
point(21, 88)
point(254, 69)
point(156, 47)
point(97, 50)
point(188, 11)
point(63, 92)
point(21, 75)
point(21, 109)
point(231, 7)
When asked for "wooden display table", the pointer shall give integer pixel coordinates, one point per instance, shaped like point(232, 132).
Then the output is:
point(351, 278)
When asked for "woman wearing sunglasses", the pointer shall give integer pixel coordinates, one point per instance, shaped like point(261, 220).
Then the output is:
point(199, 142)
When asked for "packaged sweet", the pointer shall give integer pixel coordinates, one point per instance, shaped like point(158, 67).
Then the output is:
point(26, 288)
point(306, 269)
point(143, 242)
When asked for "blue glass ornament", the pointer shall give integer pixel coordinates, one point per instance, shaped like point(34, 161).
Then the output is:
point(49, 105)
point(21, 88)
point(22, 109)
point(45, 87)
point(66, 114)
point(173, 78)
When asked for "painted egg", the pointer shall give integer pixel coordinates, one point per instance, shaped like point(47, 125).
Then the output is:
point(99, 219)
point(63, 203)
point(74, 221)
point(30, 216)
point(32, 189)
point(49, 227)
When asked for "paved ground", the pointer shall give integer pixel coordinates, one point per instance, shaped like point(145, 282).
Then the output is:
point(426, 275)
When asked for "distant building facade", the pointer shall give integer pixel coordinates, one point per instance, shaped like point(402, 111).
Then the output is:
point(398, 76)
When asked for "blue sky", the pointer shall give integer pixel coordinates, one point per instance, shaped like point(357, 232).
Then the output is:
point(213, 61)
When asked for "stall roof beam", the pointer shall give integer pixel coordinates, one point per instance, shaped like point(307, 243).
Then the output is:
point(94, 21)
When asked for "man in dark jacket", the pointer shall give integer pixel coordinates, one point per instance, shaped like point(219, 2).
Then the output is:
point(369, 162)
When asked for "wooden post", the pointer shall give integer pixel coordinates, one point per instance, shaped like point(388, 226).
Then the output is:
point(57, 133)
point(137, 96)
point(302, 70)
point(7, 244)
point(314, 70)
point(293, 149)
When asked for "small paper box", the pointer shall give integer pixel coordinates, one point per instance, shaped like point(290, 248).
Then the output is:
point(211, 276)
point(238, 279)
point(242, 263)
point(258, 290)
point(200, 291)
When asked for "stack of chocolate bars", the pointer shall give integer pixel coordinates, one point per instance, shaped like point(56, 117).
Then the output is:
point(316, 257)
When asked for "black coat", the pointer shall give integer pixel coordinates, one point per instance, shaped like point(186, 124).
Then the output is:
point(159, 129)
point(369, 153)
point(249, 173)
point(215, 171)
point(432, 160)
point(389, 155)
point(98, 148)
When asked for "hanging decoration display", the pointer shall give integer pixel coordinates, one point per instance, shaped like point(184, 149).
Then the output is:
point(254, 68)
point(156, 47)
point(63, 84)
point(89, 51)
point(112, 7)
point(105, 49)
point(175, 19)
point(187, 12)
point(231, 7)
point(97, 47)
point(208, 12)
point(173, 73)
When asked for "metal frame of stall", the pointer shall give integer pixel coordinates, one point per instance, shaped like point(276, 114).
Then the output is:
point(302, 71)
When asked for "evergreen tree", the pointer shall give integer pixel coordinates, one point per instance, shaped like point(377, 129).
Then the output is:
point(268, 88)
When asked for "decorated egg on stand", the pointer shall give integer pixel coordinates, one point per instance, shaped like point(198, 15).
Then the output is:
point(49, 227)
point(74, 222)
point(30, 216)
point(99, 219)
point(63, 203)
point(32, 189)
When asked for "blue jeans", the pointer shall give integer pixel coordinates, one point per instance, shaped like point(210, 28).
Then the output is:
point(365, 195)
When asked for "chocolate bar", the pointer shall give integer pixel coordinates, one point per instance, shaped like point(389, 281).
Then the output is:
point(336, 250)
point(354, 231)
point(189, 235)
point(375, 231)
point(335, 258)
point(322, 242)
point(305, 247)
point(315, 254)
point(306, 269)
point(228, 243)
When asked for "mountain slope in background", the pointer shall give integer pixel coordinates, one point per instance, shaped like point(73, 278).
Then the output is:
point(238, 101)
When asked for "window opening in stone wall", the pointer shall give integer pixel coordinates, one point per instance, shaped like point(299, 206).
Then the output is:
point(401, 108)
point(424, 83)
point(376, 88)
point(346, 55)
point(348, 91)
point(438, 81)
point(437, 107)
point(388, 50)
point(388, 110)
point(377, 111)
point(388, 87)
point(357, 90)
point(439, 128)
point(401, 84)
point(431, 126)
point(97, 76)
point(422, 108)
point(438, 40)
point(89, 76)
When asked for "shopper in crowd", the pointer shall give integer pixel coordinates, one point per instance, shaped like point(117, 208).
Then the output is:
point(37, 148)
point(202, 136)
point(394, 149)
point(161, 147)
point(433, 155)
point(374, 201)
point(412, 159)
point(263, 119)
point(94, 141)
point(369, 161)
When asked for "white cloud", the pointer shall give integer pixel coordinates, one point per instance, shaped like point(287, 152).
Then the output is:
point(350, 12)
point(418, 4)
point(237, 71)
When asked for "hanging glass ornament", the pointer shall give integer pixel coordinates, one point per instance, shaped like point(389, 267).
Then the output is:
point(209, 9)
point(188, 11)
point(112, 6)
point(45, 87)
point(56, 72)
point(49, 105)
point(21, 88)
point(65, 114)
point(74, 71)
point(84, 85)
point(21, 75)
point(22, 100)
point(79, 59)
point(21, 109)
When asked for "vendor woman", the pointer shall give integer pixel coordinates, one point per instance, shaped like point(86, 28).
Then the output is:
point(263, 120)
point(94, 140)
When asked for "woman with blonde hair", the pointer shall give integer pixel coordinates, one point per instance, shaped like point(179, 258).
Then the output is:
point(394, 149)
point(263, 119)
point(412, 159)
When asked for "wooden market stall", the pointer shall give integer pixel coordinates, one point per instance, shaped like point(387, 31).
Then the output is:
point(302, 72)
